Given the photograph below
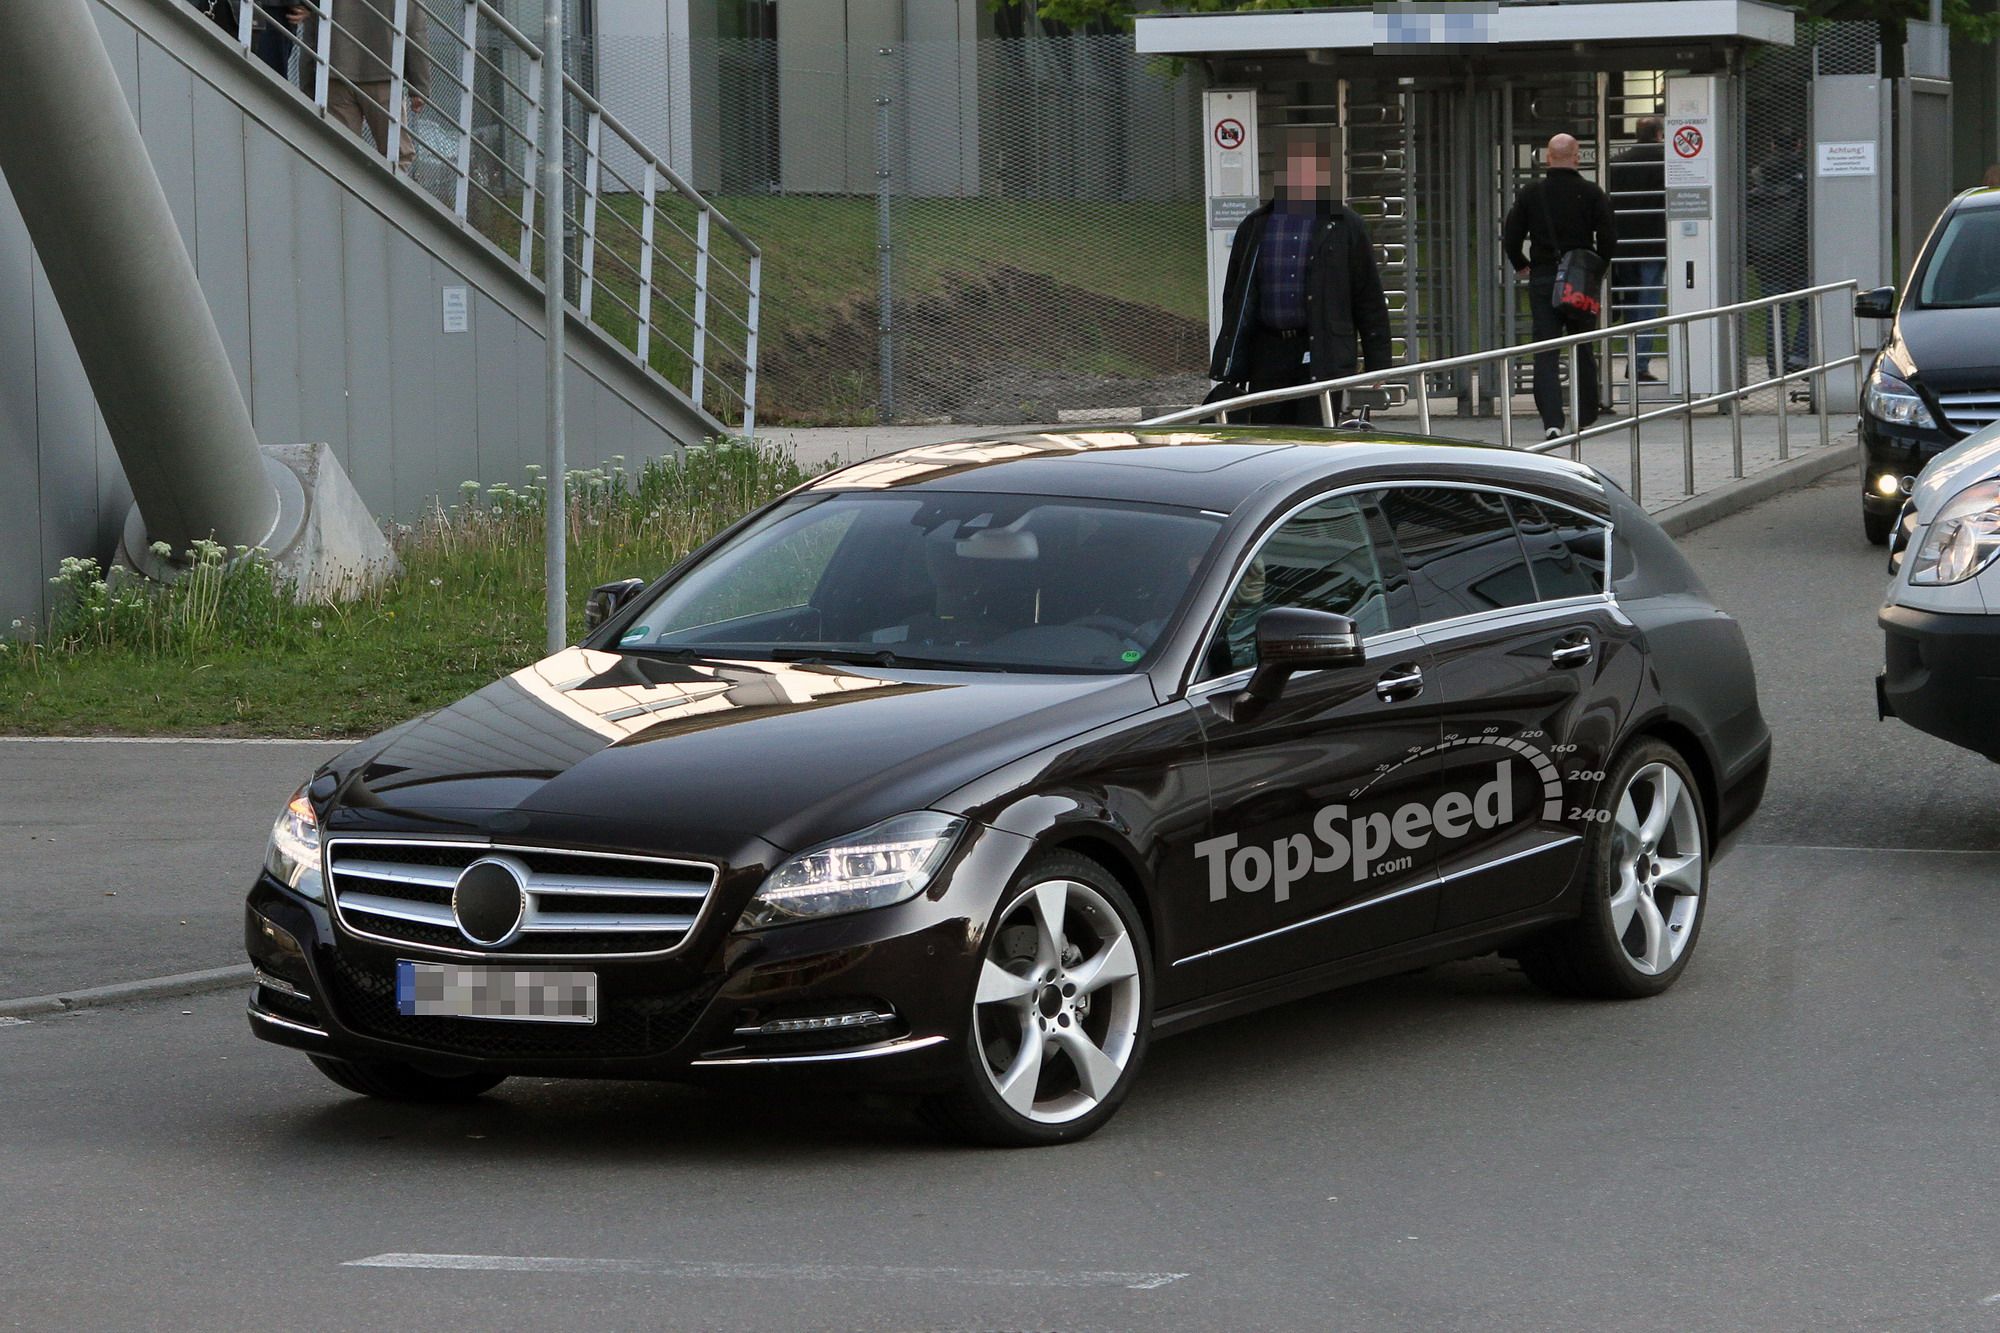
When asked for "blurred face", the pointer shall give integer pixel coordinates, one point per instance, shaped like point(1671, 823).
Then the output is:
point(1307, 174)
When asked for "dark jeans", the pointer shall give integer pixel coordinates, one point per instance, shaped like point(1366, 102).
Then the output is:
point(1548, 322)
point(1644, 297)
point(1277, 362)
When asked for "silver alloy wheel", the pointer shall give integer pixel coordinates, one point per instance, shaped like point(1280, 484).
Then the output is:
point(1056, 1015)
point(1658, 854)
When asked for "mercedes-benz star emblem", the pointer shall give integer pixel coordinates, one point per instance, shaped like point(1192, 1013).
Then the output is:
point(490, 900)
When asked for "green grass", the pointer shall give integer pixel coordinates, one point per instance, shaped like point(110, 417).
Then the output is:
point(226, 652)
point(820, 279)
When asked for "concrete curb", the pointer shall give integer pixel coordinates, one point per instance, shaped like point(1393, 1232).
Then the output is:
point(1735, 496)
point(126, 992)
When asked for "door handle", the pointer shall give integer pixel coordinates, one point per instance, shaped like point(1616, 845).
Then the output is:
point(1400, 683)
point(1573, 652)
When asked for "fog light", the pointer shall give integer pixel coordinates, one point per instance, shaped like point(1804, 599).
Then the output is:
point(1886, 484)
point(779, 1027)
point(278, 985)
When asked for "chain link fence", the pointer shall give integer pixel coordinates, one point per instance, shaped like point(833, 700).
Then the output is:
point(1776, 230)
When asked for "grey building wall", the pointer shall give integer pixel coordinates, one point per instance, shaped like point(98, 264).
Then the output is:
point(326, 277)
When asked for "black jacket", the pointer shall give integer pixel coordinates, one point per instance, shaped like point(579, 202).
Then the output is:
point(1344, 301)
point(1639, 180)
point(1580, 212)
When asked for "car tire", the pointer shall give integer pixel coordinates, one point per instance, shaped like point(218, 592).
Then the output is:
point(401, 1083)
point(1638, 859)
point(1877, 526)
point(1082, 993)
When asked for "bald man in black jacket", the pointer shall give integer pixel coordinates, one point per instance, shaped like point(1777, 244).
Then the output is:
point(1558, 213)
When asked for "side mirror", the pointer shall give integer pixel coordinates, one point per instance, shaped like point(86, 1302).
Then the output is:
point(1878, 304)
point(607, 599)
point(1289, 639)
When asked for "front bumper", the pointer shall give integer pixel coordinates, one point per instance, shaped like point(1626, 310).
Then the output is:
point(675, 1018)
point(1941, 675)
point(1895, 451)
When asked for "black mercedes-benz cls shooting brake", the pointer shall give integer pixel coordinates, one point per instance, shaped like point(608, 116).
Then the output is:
point(966, 771)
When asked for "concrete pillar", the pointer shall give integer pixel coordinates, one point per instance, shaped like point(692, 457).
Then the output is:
point(70, 150)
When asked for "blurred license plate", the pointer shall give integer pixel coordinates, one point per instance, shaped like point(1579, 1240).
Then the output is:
point(444, 990)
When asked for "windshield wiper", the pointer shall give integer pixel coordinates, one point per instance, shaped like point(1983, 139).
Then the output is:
point(671, 653)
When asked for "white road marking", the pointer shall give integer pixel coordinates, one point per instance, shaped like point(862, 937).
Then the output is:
point(1994, 1299)
point(1815, 847)
point(13, 1022)
point(979, 1277)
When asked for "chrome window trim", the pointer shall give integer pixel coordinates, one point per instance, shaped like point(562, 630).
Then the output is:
point(1434, 881)
point(1194, 685)
point(1507, 617)
point(475, 845)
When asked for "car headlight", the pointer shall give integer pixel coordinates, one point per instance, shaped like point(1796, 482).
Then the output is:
point(885, 864)
point(293, 854)
point(1962, 539)
point(1890, 398)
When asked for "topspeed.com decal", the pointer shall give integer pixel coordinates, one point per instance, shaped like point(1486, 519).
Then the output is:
point(1364, 843)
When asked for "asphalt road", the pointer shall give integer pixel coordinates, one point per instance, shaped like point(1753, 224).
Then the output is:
point(1800, 1135)
point(122, 860)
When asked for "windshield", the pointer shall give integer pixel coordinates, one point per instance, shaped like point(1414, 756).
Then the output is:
point(982, 582)
point(1964, 269)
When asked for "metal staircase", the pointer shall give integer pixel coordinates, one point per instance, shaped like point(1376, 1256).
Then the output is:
point(653, 266)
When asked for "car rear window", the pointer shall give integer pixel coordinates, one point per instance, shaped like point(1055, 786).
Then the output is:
point(1565, 549)
point(1461, 549)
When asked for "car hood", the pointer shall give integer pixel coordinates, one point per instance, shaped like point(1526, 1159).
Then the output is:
point(1973, 459)
point(1952, 351)
point(706, 758)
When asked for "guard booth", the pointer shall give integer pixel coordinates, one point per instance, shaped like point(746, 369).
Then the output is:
point(1440, 114)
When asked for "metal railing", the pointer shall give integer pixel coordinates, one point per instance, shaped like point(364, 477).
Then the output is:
point(1729, 329)
point(640, 254)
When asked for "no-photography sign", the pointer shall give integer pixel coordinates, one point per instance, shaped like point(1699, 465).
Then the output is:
point(1691, 164)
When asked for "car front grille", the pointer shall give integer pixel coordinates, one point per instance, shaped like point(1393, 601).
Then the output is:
point(364, 998)
point(1971, 411)
point(579, 904)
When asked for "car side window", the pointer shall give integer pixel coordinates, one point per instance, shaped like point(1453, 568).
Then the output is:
point(1323, 559)
point(1565, 549)
point(1461, 549)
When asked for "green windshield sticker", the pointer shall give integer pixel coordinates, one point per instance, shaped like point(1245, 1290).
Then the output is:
point(1133, 654)
point(637, 632)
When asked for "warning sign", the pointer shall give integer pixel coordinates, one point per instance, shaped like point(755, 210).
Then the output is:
point(1692, 163)
point(1229, 133)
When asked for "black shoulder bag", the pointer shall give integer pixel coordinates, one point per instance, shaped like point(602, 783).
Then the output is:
point(1579, 273)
